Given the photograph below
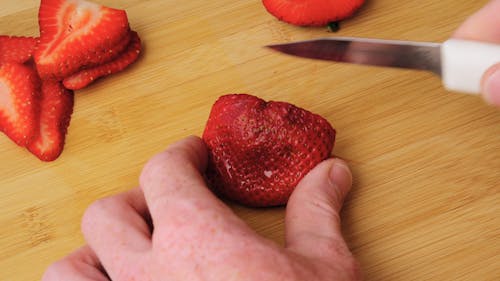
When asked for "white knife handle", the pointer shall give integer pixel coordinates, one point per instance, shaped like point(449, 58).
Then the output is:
point(463, 64)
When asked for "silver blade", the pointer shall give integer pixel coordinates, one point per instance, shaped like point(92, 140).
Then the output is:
point(390, 53)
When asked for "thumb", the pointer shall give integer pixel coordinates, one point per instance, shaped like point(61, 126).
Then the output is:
point(491, 85)
point(312, 215)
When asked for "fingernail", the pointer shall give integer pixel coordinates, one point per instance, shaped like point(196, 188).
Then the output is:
point(340, 175)
point(491, 88)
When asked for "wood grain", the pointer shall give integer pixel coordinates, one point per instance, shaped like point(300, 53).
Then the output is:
point(425, 204)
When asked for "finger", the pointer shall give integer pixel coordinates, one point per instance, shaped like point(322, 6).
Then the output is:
point(312, 221)
point(173, 180)
point(117, 231)
point(82, 265)
point(482, 25)
point(491, 85)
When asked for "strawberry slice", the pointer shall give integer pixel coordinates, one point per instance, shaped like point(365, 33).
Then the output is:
point(104, 56)
point(83, 78)
point(16, 48)
point(19, 94)
point(56, 108)
point(312, 12)
point(76, 34)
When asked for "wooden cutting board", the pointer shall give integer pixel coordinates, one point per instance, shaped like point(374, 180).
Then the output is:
point(425, 204)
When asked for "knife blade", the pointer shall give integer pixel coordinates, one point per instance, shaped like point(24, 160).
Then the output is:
point(460, 63)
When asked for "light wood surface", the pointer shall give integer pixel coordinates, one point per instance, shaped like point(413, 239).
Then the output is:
point(425, 204)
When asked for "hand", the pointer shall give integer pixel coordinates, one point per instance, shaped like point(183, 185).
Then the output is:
point(484, 25)
point(197, 237)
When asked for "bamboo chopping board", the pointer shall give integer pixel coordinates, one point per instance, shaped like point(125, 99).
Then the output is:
point(425, 204)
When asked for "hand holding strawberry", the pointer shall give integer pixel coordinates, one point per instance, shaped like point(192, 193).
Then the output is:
point(197, 237)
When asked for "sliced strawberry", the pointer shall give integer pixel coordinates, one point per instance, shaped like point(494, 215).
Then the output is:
point(312, 12)
point(56, 108)
point(19, 94)
point(75, 34)
point(16, 49)
point(106, 55)
point(83, 78)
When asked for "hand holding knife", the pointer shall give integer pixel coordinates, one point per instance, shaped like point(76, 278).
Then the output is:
point(460, 63)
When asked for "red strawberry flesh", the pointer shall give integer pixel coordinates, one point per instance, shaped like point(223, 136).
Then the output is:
point(312, 12)
point(16, 49)
point(84, 77)
point(56, 108)
point(19, 94)
point(259, 151)
point(75, 34)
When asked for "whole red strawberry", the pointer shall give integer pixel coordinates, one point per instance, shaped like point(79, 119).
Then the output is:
point(259, 151)
point(312, 12)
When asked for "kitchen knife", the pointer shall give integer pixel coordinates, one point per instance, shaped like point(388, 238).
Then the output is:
point(460, 63)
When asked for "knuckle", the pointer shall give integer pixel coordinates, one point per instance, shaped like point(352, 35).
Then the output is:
point(98, 208)
point(165, 164)
point(157, 165)
point(55, 271)
point(335, 247)
point(174, 156)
